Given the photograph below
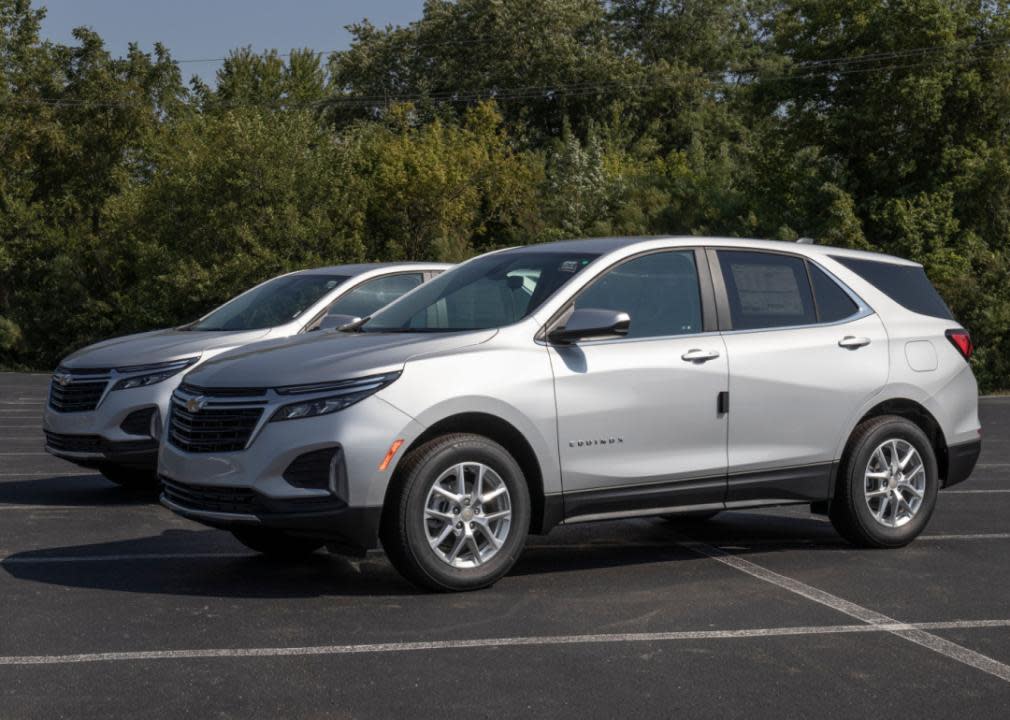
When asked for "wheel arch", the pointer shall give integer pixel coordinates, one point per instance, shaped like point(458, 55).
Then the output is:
point(920, 416)
point(509, 437)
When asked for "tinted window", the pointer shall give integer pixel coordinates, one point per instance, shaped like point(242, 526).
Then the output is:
point(275, 302)
point(368, 297)
point(907, 285)
point(833, 303)
point(766, 290)
point(659, 291)
point(490, 291)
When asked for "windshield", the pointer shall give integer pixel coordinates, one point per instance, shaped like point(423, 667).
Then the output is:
point(275, 302)
point(488, 292)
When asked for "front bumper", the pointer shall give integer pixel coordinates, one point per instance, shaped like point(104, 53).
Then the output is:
point(229, 489)
point(356, 529)
point(96, 437)
point(93, 451)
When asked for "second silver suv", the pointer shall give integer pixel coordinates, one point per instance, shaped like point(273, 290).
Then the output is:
point(581, 381)
point(108, 402)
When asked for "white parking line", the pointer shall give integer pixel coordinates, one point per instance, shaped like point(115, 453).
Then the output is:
point(975, 492)
point(527, 641)
point(966, 536)
point(914, 634)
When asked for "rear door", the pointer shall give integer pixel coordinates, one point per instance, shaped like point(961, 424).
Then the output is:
point(638, 418)
point(805, 354)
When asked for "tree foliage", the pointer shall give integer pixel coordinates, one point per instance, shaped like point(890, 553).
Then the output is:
point(130, 199)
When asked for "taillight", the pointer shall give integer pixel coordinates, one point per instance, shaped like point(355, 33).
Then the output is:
point(960, 339)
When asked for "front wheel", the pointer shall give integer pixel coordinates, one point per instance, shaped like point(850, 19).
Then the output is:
point(458, 514)
point(276, 544)
point(887, 484)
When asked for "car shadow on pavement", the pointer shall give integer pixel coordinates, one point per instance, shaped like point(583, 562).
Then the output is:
point(208, 563)
point(76, 490)
point(202, 563)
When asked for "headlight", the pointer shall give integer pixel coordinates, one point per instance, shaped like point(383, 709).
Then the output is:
point(335, 396)
point(151, 374)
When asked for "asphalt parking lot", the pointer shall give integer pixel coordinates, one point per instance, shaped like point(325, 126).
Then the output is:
point(110, 606)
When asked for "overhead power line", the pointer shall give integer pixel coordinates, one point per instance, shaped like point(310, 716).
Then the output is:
point(882, 62)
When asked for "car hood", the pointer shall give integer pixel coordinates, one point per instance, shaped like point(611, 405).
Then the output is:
point(155, 347)
point(324, 357)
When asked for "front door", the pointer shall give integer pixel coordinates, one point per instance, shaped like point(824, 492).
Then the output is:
point(639, 422)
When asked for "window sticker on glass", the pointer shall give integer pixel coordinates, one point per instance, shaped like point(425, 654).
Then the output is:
point(767, 290)
point(569, 266)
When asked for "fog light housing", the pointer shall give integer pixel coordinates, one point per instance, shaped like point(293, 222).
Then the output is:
point(142, 422)
point(319, 470)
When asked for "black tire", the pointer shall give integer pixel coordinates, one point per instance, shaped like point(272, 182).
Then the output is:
point(132, 478)
point(691, 517)
point(275, 543)
point(850, 513)
point(403, 531)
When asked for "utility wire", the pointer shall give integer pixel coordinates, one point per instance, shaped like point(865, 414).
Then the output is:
point(800, 71)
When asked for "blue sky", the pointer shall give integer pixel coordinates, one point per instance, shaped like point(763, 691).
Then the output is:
point(198, 29)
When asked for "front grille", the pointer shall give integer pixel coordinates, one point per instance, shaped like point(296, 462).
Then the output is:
point(211, 429)
point(97, 444)
point(239, 500)
point(76, 396)
point(211, 499)
point(75, 443)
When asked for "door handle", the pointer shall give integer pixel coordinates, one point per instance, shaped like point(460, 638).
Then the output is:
point(699, 356)
point(853, 343)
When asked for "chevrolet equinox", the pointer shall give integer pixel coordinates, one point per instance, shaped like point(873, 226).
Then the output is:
point(108, 402)
point(586, 380)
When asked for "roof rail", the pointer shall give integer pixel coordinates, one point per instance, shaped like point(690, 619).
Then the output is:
point(805, 241)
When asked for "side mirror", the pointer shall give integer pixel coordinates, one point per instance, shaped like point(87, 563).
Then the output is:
point(337, 322)
point(590, 323)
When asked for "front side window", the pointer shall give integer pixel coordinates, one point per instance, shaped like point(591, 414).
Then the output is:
point(659, 292)
point(371, 295)
point(766, 290)
point(487, 292)
point(273, 303)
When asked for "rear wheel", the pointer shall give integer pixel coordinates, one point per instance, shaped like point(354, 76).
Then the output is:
point(887, 484)
point(277, 544)
point(133, 478)
point(458, 514)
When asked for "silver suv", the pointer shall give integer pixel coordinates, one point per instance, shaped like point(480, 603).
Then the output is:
point(580, 381)
point(107, 402)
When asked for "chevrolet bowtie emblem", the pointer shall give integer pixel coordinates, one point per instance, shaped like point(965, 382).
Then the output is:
point(195, 405)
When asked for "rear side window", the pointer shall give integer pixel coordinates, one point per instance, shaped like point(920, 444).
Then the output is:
point(907, 285)
point(766, 290)
point(833, 303)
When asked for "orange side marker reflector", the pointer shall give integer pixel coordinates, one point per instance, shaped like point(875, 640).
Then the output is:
point(389, 456)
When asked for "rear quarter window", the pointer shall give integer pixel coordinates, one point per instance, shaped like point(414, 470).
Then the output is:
point(907, 285)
